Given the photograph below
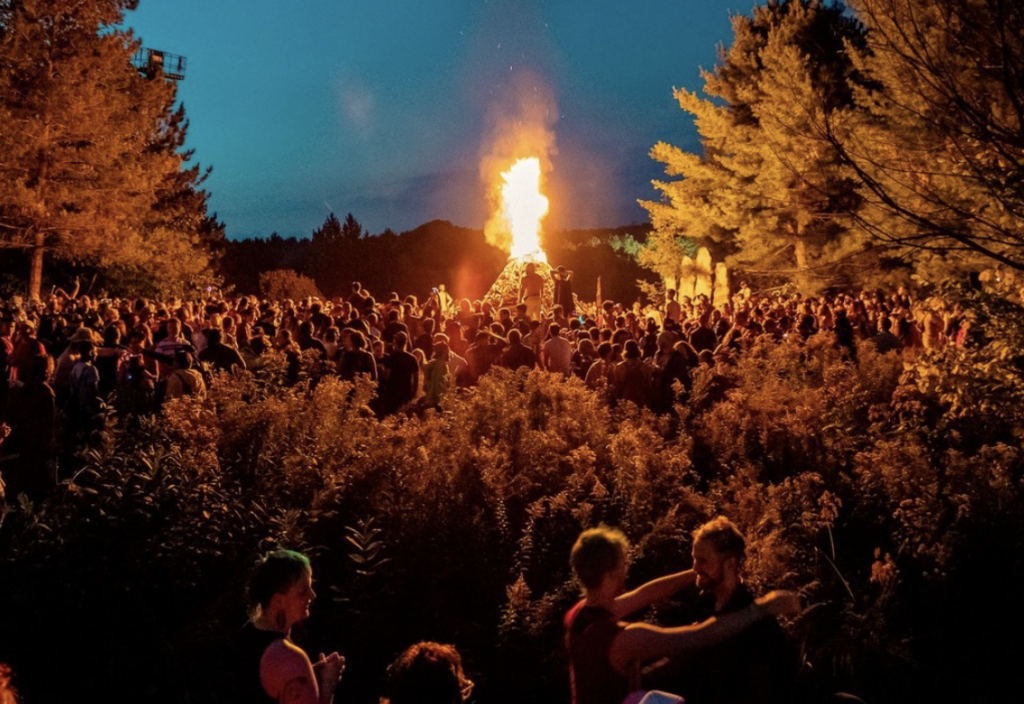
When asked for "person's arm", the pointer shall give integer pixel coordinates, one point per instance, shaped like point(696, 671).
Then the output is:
point(287, 675)
point(654, 591)
point(642, 642)
point(329, 669)
point(372, 367)
point(167, 359)
point(238, 362)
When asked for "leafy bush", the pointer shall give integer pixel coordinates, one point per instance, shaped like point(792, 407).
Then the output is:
point(281, 284)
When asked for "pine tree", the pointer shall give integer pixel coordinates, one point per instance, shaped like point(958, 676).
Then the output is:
point(936, 138)
point(351, 230)
point(768, 185)
point(90, 162)
point(329, 233)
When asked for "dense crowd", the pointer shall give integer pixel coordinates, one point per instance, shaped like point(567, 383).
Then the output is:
point(72, 361)
point(67, 359)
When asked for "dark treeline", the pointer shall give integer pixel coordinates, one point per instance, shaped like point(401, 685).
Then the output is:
point(434, 253)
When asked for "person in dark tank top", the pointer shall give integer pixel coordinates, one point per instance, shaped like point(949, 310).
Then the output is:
point(271, 667)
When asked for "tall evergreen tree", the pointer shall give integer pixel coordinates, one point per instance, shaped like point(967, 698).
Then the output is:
point(936, 139)
point(351, 229)
point(329, 233)
point(768, 185)
point(91, 167)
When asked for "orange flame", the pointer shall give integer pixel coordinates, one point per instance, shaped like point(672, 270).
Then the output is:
point(523, 206)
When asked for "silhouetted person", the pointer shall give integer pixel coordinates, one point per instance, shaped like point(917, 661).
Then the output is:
point(517, 355)
point(393, 327)
point(436, 376)
point(306, 340)
point(845, 340)
point(357, 359)
point(632, 378)
point(481, 356)
point(32, 419)
point(885, 341)
point(403, 380)
point(425, 340)
point(703, 337)
point(563, 291)
point(220, 356)
point(184, 380)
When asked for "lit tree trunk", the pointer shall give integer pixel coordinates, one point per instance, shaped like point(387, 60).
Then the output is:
point(35, 279)
point(801, 255)
point(802, 277)
point(35, 276)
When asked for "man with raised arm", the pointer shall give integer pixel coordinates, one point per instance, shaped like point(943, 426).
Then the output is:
point(605, 653)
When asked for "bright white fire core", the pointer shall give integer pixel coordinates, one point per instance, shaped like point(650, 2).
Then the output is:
point(523, 206)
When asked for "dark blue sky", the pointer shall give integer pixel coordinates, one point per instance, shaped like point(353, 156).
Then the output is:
point(385, 109)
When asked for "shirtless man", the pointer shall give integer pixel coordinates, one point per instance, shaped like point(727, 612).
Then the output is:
point(530, 290)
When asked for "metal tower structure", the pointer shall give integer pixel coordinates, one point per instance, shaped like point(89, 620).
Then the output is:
point(153, 63)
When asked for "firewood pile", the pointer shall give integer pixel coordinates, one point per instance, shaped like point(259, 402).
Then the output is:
point(505, 291)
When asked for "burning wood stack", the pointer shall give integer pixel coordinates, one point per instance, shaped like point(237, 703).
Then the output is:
point(505, 291)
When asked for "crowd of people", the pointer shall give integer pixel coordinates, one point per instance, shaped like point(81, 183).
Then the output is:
point(70, 357)
point(66, 360)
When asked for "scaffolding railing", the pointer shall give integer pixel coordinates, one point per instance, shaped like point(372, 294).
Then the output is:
point(152, 63)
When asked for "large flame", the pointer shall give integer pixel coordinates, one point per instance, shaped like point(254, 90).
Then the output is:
point(523, 206)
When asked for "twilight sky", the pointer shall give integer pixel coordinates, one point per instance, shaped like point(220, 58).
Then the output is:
point(386, 109)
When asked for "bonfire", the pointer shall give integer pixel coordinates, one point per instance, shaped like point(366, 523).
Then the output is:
point(523, 207)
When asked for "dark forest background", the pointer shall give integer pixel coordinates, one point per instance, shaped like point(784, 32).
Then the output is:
point(437, 252)
point(340, 252)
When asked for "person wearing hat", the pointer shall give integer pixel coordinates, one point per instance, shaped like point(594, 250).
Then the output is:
point(563, 291)
point(184, 380)
point(66, 362)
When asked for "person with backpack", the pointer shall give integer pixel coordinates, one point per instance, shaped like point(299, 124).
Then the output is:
point(184, 380)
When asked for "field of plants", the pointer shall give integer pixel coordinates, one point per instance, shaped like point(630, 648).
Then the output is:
point(889, 492)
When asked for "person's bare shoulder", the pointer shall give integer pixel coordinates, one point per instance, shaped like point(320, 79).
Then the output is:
point(286, 673)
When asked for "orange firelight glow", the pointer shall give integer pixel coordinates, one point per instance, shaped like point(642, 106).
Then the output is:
point(523, 206)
